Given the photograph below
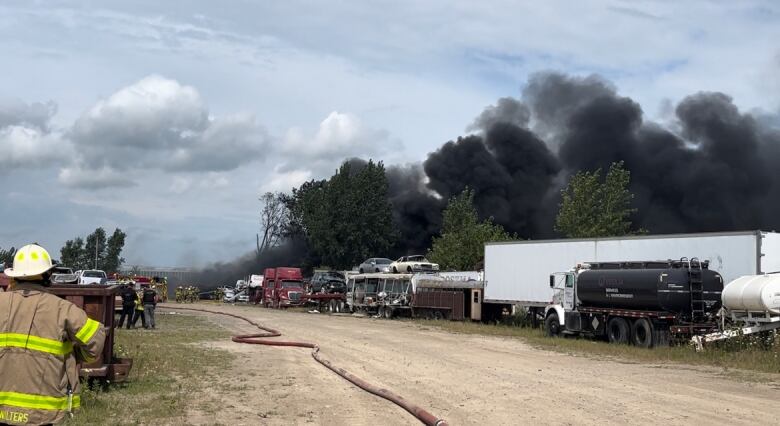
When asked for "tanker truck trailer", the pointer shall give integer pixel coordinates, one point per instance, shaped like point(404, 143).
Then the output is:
point(516, 272)
point(751, 304)
point(644, 303)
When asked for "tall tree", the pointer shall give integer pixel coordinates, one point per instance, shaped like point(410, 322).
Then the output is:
point(114, 259)
point(591, 207)
point(346, 218)
point(7, 257)
point(72, 253)
point(463, 236)
point(95, 251)
point(273, 221)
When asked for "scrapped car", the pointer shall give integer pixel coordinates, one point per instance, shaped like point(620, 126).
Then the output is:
point(328, 282)
point(92, 276)
point(375, 264)
point(63, 275)
point(415, 263)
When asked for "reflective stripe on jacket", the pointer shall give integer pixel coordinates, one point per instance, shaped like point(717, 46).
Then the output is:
point(42, 339)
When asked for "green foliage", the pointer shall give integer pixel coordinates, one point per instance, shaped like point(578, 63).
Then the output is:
point(7, 257)
point(592, 208)
point(94, 250)
point(344, 219)
point(463, 236)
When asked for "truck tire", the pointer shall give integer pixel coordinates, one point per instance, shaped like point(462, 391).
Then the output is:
point(395, 270)
point(438, 315)
point(618, 330)
point(332, 306)
point(341, 306)
point(388, 313)
point(642, 333)
point(380, 312)
point(409, 269)
point(552, 326)
point(361, 270)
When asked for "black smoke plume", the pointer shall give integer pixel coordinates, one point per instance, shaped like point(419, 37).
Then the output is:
point(712, 169)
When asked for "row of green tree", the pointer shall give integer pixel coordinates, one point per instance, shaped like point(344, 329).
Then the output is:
point(96, 251)
point(348, 218)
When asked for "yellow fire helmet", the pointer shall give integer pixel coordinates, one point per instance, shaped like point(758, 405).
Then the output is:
point(30, 261)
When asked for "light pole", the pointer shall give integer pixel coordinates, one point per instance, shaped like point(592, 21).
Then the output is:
point(96, 249)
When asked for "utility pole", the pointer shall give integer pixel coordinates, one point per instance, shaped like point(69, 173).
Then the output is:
point(97, 241)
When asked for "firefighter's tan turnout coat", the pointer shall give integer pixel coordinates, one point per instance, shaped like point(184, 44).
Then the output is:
point(42, 339)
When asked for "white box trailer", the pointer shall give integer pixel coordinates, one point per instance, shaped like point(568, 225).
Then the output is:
point(517, 272)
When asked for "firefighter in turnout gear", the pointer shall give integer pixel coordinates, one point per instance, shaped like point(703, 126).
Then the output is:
point(42, 340)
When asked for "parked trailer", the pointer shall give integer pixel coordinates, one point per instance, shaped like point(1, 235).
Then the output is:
point(98, 302)
point(751, 304)
point(646, 303)
point(516, 273)
point(414, 295)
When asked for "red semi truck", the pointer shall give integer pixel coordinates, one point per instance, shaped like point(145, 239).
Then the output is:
point(282, 287)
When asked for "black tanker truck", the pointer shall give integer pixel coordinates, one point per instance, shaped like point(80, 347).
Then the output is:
point(645, 303)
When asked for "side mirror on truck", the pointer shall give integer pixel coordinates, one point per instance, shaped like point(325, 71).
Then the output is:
point(552, 281)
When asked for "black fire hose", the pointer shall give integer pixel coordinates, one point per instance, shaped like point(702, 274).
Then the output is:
point(256, 339)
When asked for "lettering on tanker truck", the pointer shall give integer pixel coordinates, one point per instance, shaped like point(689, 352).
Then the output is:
point(613, 292)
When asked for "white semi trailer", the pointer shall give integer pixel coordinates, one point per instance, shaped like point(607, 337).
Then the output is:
point(517, 273)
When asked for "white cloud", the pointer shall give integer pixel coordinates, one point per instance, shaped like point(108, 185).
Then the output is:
point(339, 136)
point(26, 138)
point(180, 184)
point(284, 181)
point(159, 124)
point(97, 178)
point(35, 115)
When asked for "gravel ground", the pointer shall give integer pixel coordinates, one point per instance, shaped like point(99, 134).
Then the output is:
point(464, 379)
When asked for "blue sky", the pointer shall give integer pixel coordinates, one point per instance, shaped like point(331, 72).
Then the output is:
point(169, 119)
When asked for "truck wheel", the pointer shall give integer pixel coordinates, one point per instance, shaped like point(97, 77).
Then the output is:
point(361, 270)
point(341, 306)
point(618, 330)
point(552, 327)
point(332, 307)
point(409, 269)
point(642, 333)
point(388, 313)
point(438, 315)
point(380, 312)
point(395, 270)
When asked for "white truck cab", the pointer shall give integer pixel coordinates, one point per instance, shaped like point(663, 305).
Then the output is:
point(564, 295)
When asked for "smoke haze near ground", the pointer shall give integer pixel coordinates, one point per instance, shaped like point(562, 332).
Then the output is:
point(713, 168)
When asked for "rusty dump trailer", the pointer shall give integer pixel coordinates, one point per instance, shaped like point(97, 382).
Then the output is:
point(98, 302)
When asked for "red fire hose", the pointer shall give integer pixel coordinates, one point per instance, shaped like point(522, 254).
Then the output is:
point(256, 339)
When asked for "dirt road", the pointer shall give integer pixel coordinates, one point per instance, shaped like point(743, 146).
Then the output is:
point(465, 379)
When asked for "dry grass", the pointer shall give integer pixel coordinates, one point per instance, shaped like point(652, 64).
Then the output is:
point(741, 354)
point(170, 368)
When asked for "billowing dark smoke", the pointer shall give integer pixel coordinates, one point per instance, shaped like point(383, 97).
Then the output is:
point(291, 253)
point(713, 170)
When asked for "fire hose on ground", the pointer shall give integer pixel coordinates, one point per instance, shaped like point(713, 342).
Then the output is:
point(258, 339)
